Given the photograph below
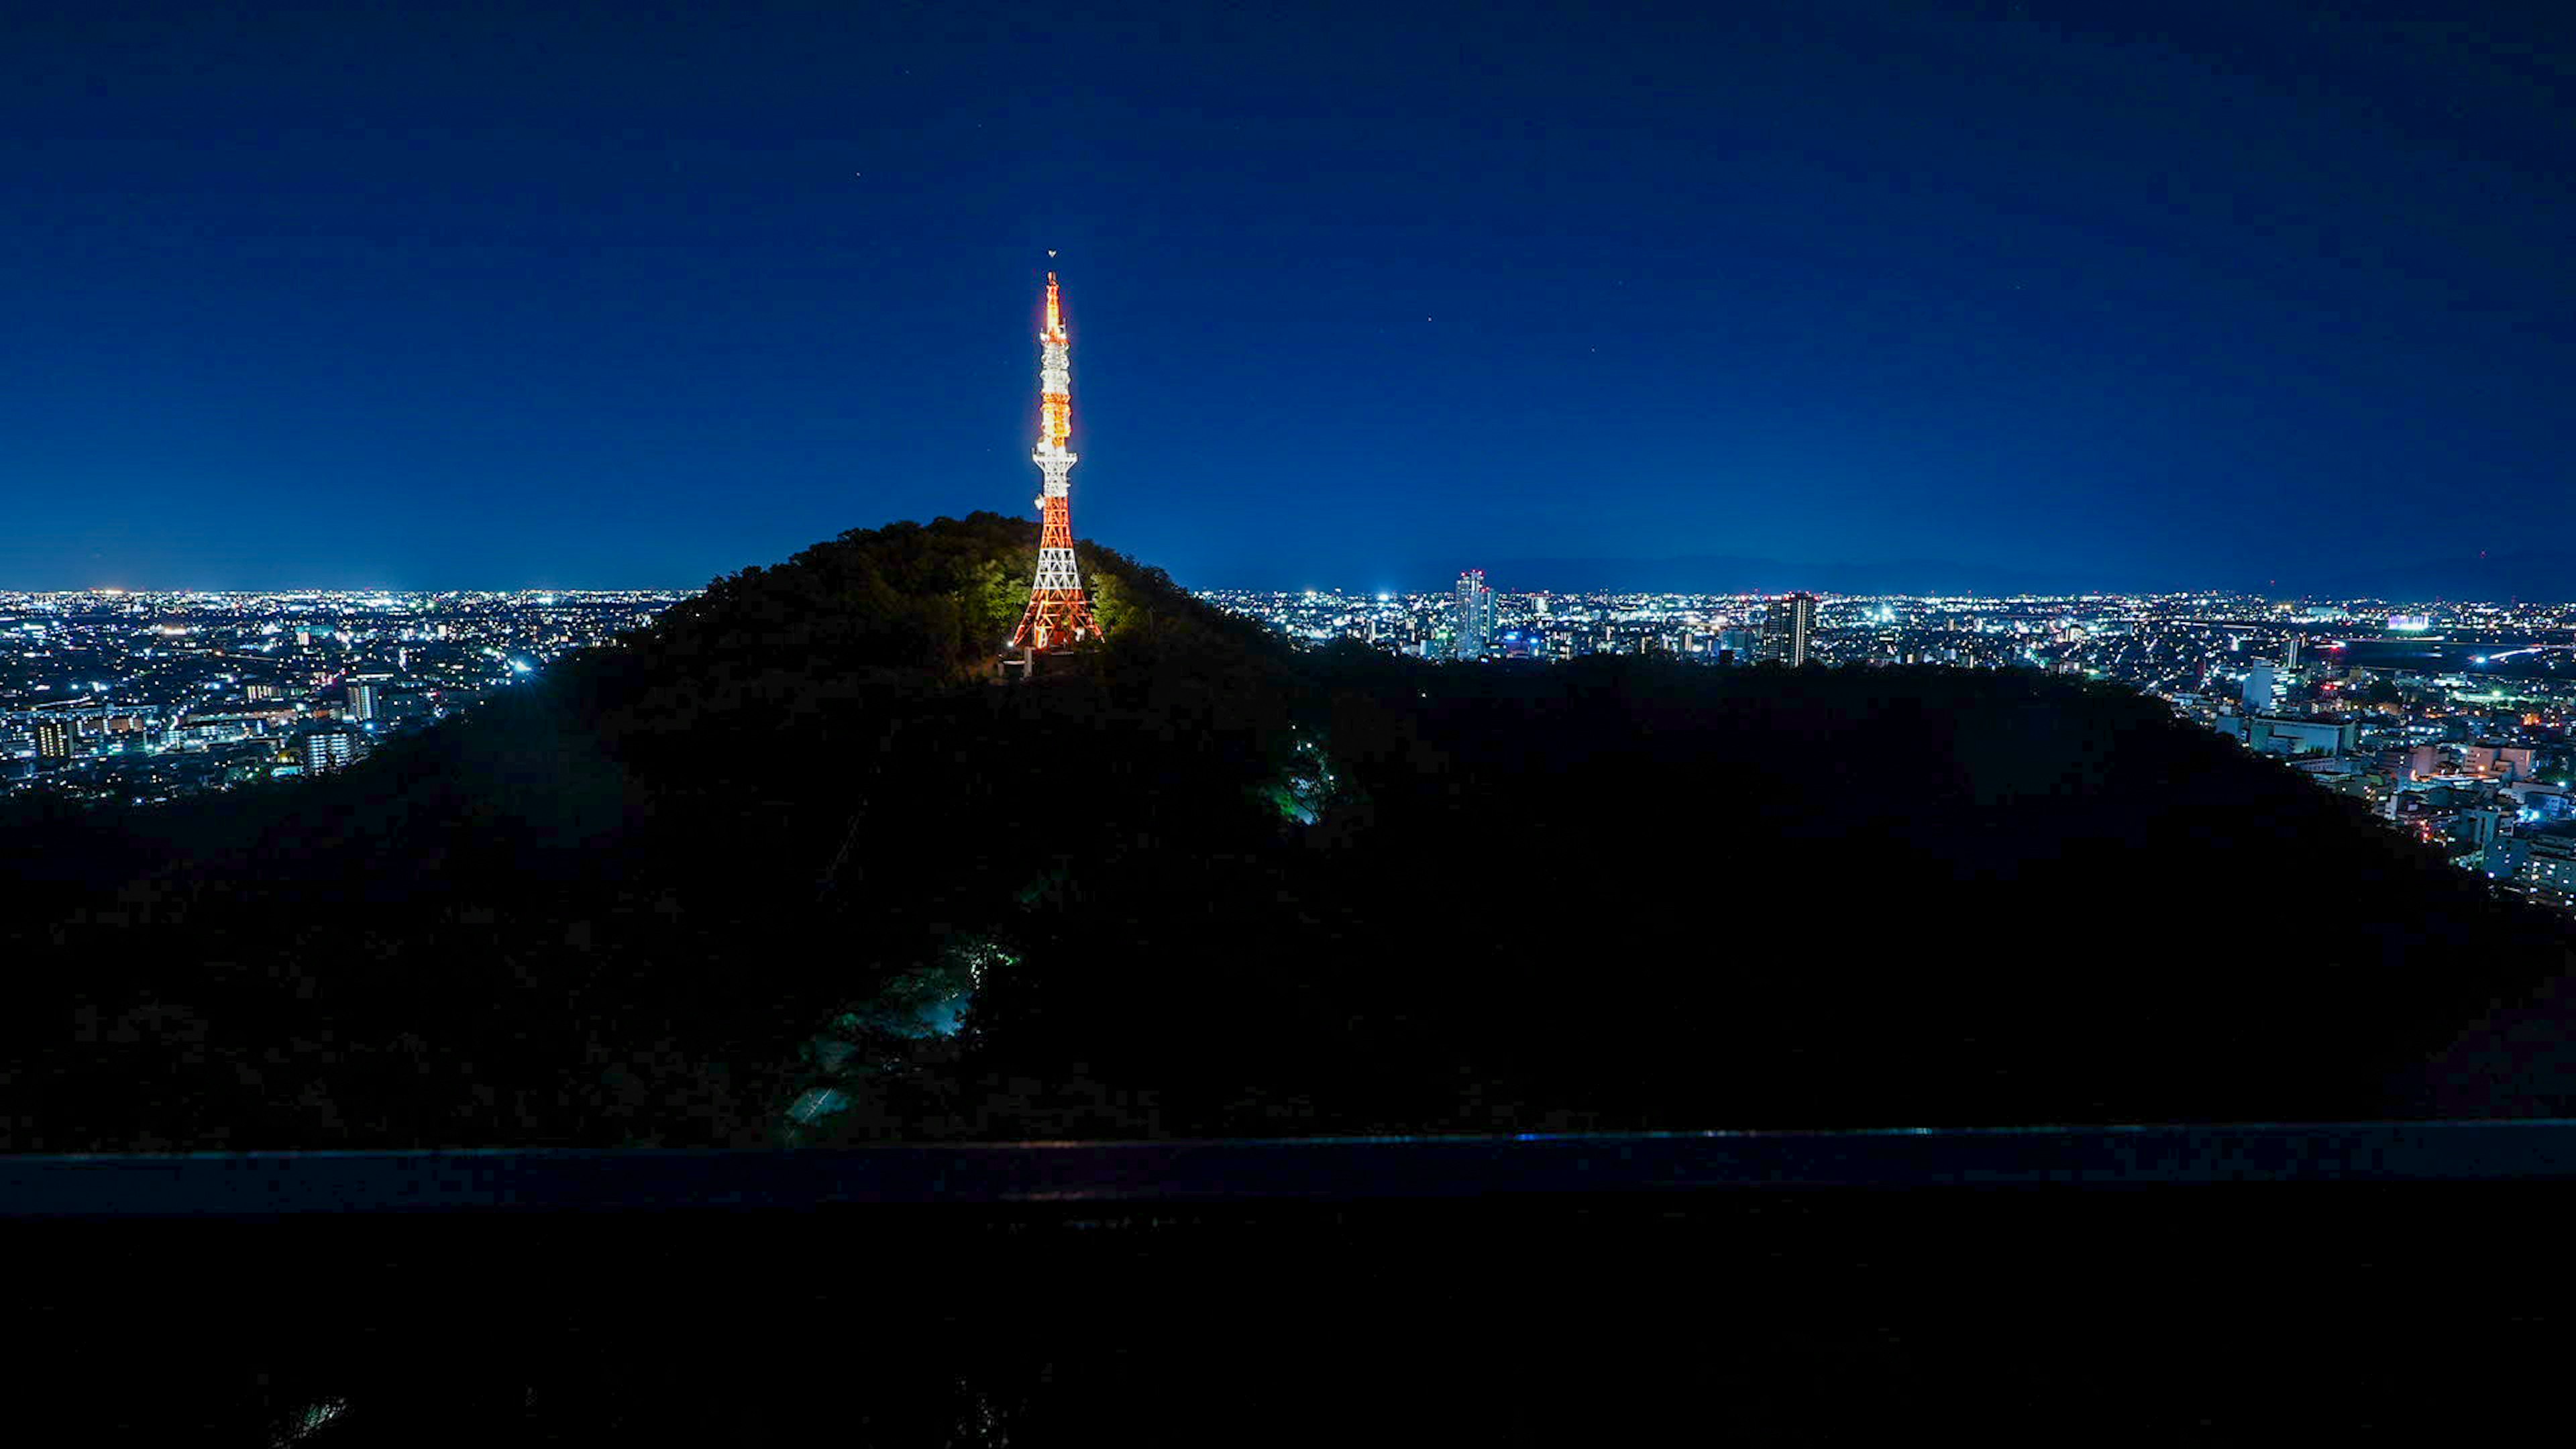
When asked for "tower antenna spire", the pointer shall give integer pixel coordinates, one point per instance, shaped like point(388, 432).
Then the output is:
point(1059, 614)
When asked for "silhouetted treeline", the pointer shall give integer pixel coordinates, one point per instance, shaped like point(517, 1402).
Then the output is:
point(627, 903)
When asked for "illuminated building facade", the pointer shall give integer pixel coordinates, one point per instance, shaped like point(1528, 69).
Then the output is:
point(1788, 627)
point(2546, 868)
point(1472, 617)
point(2257, 694)
point(329, 750)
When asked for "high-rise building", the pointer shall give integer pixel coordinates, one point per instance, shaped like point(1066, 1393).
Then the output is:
point(1472, 621)
point(1788, 625)
point(1059, 613)
point(362, 701)
point(2290, 653)
point(328, 750)
point(55, 739)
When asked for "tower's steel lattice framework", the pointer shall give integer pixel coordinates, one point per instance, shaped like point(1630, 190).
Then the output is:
point(1059, 614)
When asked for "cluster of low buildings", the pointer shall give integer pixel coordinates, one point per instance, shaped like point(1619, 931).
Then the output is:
point(110, 695)
point(2499, 805)
point(1474, 622)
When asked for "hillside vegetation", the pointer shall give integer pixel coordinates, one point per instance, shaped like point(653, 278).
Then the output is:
point(790, 867)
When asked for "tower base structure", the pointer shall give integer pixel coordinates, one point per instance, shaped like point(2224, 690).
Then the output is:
point(1019, 664)
point(1059, 614)
point(1054, 622)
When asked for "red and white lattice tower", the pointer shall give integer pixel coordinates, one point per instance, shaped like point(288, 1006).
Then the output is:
point(1059, 613)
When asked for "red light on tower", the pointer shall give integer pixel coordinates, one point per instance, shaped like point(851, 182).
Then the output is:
point(1059, 613)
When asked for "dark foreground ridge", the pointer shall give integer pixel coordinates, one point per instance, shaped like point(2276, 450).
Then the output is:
point(789, 868)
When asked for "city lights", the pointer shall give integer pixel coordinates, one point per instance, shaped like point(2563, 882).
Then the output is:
point(2477, 769)
point(124, 695)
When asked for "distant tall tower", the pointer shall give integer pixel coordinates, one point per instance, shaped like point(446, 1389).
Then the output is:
point(1059, 614)
point(1473, 617)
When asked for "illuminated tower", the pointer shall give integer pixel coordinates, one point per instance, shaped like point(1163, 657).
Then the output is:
point(1059, 614)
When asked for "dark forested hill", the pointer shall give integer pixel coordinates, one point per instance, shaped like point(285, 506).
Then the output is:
point(790, 865)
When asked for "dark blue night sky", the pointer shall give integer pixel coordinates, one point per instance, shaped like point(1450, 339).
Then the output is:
point(637, 294)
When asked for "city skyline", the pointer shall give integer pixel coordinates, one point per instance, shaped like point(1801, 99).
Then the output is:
point(535, 695)
point(144, 697)
point(2224, 303)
